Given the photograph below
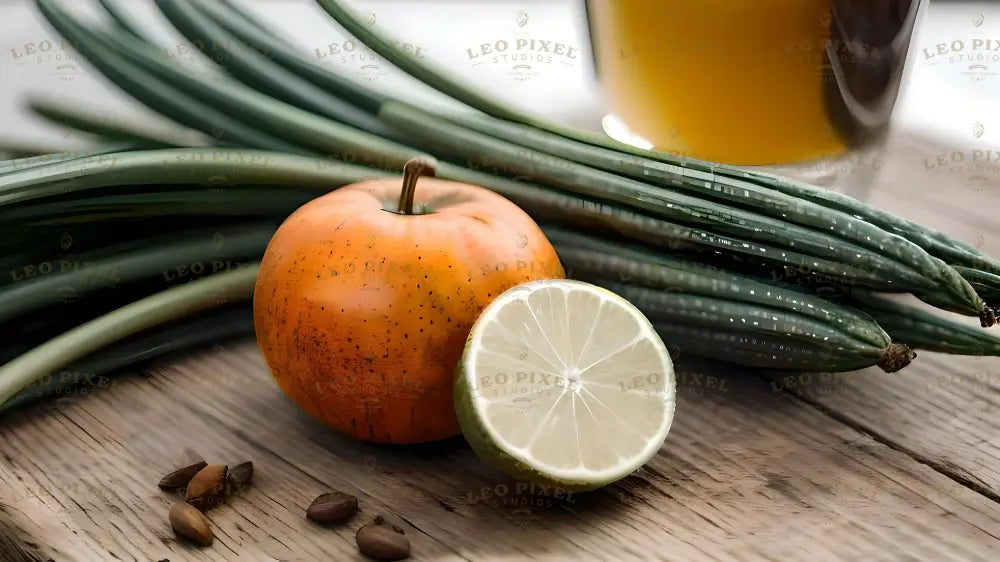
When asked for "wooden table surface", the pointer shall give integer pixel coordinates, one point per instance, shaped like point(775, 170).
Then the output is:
point(863, 466)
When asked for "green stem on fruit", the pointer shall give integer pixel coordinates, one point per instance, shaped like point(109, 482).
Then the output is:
point(412, 170)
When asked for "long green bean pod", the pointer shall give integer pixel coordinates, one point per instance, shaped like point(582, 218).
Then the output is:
point(814, 215)
point(938, 269)
point(236, 100)
point(152, 344)
point(952, 250)
point(587, 256)
point(921, 329)
point(158, 136)
point(803, 238)
point(249, 64)
point(247, 29)
point(225, 166)
point(21, 164)
point(239, 166)
point(252, 202)
point(774, 352)
point(452, 87)
point(172, 304)
point(155, 92)
point(909, 263)
point(894, 256)
point(223, 248)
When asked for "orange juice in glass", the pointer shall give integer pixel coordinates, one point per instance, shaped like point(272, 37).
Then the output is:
point(752, 82)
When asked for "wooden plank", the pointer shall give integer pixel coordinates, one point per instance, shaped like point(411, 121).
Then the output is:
point(942, 410)
point(746, 474)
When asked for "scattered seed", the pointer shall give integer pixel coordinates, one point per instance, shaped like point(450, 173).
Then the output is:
point(382, 543)
point(191, 524)
point(179, 478)
point(390, 520)
point(239, 477)
point(332, 508)
point(207, 488)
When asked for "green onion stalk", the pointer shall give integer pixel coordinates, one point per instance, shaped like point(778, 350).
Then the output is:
point(897, 260)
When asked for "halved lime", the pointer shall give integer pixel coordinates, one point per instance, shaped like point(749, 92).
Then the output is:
point(564, 383)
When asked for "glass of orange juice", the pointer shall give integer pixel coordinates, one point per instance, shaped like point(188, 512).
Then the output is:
point(752, 82)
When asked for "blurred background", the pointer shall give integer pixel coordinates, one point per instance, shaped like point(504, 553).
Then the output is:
point(944, 117)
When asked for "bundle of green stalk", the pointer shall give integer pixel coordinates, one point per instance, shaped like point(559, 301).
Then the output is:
point(275, 129)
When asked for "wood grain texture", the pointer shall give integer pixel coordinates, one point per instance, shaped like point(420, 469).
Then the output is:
point(746, 474)
point(860, 466)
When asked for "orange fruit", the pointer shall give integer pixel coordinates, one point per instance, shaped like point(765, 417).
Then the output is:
point(366, 296)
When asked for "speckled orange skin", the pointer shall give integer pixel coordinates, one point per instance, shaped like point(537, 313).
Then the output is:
point(362, 313)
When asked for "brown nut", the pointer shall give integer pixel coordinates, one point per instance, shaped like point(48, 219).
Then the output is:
point(382, 543)
point(239, 478)
point(191, 524)
point(332, 508)
point(179, 478)
point(207, 488)
point(241, 473)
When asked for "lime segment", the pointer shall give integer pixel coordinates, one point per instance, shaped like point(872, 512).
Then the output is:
point(566, 383)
